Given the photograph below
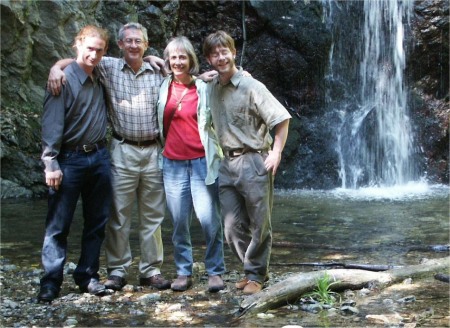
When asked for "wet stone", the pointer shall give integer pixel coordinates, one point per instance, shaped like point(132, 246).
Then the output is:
point(349, 310)
point(407, 299)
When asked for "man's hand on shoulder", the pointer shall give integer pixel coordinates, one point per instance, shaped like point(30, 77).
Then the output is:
point(56, 78)
point(157, 63)
point(208, 76)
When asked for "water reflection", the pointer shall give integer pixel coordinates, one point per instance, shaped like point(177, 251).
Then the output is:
point(309, 226)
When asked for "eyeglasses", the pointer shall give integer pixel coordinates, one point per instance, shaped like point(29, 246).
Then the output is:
point(129, 42)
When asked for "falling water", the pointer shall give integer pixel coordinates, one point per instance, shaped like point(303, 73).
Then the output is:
point(367, 88)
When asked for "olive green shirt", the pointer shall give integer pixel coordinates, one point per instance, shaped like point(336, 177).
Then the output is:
point(243, 113)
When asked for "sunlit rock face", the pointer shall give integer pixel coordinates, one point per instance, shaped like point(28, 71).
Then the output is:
point(284, 44)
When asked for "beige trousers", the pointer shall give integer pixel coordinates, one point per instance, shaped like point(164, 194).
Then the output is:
point(137, 183)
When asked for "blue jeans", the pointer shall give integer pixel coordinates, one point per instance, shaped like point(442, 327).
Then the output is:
point(184, 183)
point(88, 174)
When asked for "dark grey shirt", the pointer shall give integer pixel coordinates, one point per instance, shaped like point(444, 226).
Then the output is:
point(77, 116)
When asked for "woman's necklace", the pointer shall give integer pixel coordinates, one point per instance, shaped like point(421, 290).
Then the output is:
point(178, 105)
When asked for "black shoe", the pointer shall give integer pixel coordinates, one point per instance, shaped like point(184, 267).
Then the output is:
point(157, 281)
point(115, 282)
point(47, 295)
point(94, 288)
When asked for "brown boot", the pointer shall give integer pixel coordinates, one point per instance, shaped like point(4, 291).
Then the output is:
point(182, 283)
point(252, 287)
point(156, 281)
point(242, 283)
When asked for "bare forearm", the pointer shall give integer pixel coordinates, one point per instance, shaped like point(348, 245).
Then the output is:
point(274, 158)
point(281, 133)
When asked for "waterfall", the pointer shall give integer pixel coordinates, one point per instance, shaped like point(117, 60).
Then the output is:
point(366, 87)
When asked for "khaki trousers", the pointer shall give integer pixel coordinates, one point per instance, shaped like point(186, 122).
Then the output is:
point(246, 197)
point(137, 182)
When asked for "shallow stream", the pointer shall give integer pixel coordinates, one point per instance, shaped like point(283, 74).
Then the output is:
point(388, 227)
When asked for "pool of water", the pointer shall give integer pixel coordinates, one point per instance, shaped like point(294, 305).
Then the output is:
point(387, 227)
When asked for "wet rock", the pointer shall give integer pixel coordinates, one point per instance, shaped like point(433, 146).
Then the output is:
point(388, 302)
point(10, 304)
point(349, 303)
point(377, 319)
point(349, 310)
point(149, 298)
point(8, 267)
point(407, 299)
point(70, 322)
point(69, 268)
point(386, 319)
point(313, 308)
point(364, 292)
point(407, 281)
point(265, 315)
point(349, 294)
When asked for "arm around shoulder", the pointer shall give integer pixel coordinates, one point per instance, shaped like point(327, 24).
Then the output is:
point(57, 77)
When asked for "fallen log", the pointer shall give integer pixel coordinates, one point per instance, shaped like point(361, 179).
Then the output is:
point(292, 288)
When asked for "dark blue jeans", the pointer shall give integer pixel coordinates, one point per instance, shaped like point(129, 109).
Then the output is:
point(88, 175)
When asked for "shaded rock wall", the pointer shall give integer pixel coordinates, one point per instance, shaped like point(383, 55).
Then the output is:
point(284, 44)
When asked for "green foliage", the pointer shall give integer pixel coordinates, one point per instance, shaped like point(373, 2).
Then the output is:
point(322, 292)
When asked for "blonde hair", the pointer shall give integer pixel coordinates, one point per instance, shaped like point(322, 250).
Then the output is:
point(92, 31)
point(182, 43)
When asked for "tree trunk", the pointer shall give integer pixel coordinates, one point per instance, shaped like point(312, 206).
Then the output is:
point(292, 288)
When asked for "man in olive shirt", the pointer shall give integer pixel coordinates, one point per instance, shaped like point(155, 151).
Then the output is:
point(243, 112)
point(76, 163)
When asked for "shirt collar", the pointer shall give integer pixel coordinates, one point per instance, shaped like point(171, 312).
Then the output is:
point(81, 74)
point(144, 67)
point(235, 79)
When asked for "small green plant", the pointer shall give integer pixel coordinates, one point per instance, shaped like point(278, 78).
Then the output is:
point(322, 292)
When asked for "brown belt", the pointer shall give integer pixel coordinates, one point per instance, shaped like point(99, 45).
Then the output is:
point(144, 143)
point(241, 151)
point(86, 148)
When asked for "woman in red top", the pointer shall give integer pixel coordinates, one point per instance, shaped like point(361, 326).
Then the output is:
point(191, 157)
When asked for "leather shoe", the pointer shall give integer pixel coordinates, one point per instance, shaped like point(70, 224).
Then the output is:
point(252, 287)
point(94, 288)
point(242, 283)
point(115, 282)
point(215, 283)
point(47, 295)
point(182, 283)
point(157, 281)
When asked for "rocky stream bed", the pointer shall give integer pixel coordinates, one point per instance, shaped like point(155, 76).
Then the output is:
point(422, 303)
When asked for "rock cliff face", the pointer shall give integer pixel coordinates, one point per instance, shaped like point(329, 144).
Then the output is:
point(284, 44)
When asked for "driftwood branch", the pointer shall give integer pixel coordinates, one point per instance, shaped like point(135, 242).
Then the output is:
point(291, 289)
